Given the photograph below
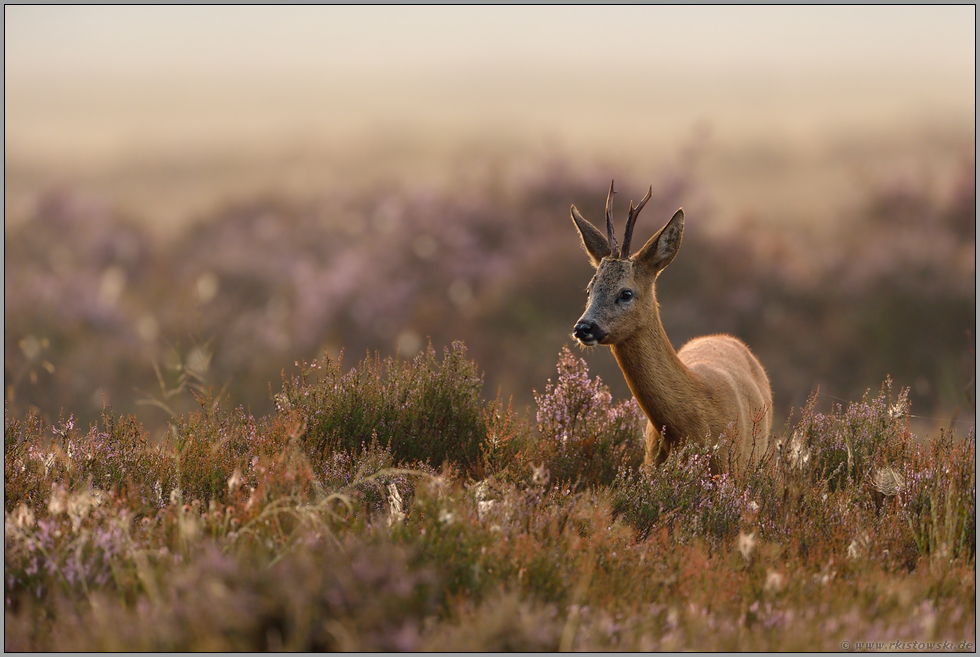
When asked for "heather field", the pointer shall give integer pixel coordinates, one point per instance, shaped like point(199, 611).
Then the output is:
point(417, 499)
point(392, 506)
point(261, 485)
point(288, 296)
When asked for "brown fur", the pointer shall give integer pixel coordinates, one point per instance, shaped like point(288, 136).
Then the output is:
point(713, 387)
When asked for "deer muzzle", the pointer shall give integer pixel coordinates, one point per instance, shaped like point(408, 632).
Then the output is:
point(588, 333)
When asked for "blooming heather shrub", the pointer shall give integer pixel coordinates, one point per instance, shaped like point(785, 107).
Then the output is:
point(366, 476)
point(585, 438)
point(538, 539)
point(76, 546)
point(25, 477)
point(451, 537)
point(845, 448)
point(421, 410)
point(504, 623)
point(503, 453)
point(114, 456)
point(939, 498)
point(832, 478)
point(321, 598)
point(682, 494)
point(211, 445)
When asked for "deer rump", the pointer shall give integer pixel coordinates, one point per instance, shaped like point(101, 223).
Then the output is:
point(738, 386)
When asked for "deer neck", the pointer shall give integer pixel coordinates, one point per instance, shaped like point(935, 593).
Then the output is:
point(669, 393)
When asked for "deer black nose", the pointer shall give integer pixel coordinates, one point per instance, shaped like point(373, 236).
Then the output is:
point(588, 332)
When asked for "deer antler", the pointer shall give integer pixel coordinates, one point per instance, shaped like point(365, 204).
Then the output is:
point(631, 221)
point(609, 221)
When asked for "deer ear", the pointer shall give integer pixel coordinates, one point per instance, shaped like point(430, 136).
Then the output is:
point(662, 247)
point(594, 242)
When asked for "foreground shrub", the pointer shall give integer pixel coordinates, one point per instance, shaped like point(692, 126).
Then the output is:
point(504, 623)
point(113, 456)
point(317, 599)
point(832, 474)
point(680, 493)
point(939, 498)
point(420, 410)
point(846, 448)
point(585, 438)
point(210, 446)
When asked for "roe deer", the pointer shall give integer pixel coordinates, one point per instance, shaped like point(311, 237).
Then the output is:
point(713, 386)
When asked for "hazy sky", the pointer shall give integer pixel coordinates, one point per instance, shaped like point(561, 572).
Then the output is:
point(111, 89)
point(225, 40)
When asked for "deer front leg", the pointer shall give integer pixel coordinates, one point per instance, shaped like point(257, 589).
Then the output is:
point(655, 451)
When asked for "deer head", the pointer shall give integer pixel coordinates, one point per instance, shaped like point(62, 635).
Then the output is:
point(621, 294)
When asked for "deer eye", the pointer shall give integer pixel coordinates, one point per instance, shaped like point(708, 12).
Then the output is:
point(626, 295)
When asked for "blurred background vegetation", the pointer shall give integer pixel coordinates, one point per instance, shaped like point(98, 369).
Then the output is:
point(200, 197)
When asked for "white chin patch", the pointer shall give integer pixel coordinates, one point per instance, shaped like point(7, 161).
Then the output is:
point(591, 342)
